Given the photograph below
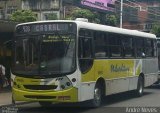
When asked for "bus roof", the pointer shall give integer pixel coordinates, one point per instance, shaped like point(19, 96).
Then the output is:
point(99, 27)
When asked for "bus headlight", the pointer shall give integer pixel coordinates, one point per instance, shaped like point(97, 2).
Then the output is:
point(63, 83)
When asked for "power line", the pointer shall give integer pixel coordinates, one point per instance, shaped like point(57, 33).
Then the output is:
point(145, 11)
point(137, 15)
point(150, 9)
point(141, 6)
point(138, 8)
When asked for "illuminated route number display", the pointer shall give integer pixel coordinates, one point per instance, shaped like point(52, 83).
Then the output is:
point(45, 27)
point(54, 38)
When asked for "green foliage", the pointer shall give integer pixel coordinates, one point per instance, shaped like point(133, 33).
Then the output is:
point(111, 20)
point(94, 17)
point(156, 29)
point(83, 13)
point(23, 16)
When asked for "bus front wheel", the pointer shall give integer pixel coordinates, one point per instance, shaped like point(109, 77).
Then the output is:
point(97, 100)
point(13, 101)
point(140, 87)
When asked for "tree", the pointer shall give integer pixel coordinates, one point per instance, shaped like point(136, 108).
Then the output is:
point(111, 20)
point(156, 29)
point(23, 16)
point(94, 17)
point(83, 13)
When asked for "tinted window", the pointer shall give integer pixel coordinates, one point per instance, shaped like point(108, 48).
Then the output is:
point(114, 45)
point(127, 44)
point(101, 44)
point(85, 51)
point(149, 47)
point(139, 47)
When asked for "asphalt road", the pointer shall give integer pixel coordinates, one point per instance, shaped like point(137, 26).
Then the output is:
point(118, 103)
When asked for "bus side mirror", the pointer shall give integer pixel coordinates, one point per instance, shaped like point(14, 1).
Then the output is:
point(143, 55)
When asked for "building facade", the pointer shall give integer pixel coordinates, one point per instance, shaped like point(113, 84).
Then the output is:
point(141, 14)
point(137, 14)
point(7, 7)
point(44, 9)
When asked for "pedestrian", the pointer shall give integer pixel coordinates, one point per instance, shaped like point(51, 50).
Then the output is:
point(3, 79)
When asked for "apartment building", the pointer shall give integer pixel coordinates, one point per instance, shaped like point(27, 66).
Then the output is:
point(43, 8)
point(7, 7)
point(137, 14)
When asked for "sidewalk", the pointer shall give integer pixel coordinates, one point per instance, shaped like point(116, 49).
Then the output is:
point(5, 96)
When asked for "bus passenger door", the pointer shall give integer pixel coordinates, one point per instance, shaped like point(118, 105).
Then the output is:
point(85, 55)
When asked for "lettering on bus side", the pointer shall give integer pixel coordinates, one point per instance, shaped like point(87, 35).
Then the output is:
point(117, 68)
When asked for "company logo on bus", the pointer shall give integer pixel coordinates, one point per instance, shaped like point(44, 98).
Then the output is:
point(119, 68)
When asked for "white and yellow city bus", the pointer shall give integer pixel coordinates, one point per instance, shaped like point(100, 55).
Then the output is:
point(158, 47)
point(65, 61)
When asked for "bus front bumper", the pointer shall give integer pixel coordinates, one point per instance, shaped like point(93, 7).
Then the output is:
point(69, 95)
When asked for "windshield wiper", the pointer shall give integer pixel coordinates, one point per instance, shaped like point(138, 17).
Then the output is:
point(65, 53)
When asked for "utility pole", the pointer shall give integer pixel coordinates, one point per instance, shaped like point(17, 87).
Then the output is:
point(61, 10)
point(121, 14)
point(5, 9)
point(40, 9)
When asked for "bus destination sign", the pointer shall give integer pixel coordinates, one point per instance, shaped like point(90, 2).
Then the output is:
point(44, 27)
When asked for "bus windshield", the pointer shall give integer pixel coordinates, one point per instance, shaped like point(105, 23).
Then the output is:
point(44, 54)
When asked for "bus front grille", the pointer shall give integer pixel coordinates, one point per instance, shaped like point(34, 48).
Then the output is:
point(39, 97)
point(40, 87)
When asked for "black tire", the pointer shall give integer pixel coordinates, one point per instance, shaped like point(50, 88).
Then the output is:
point(97, 100)
point(140, 87)
point(45, 104)
point(13, 101)
point(1, 87)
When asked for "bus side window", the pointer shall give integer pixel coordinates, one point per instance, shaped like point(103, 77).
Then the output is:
point(85, 45)
point(127, 46)
point(155, 47)
point(139, 47)
point(115, 45)
point(100, 42)
point(148, 47)
point(86, 48)
point(85, 52)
